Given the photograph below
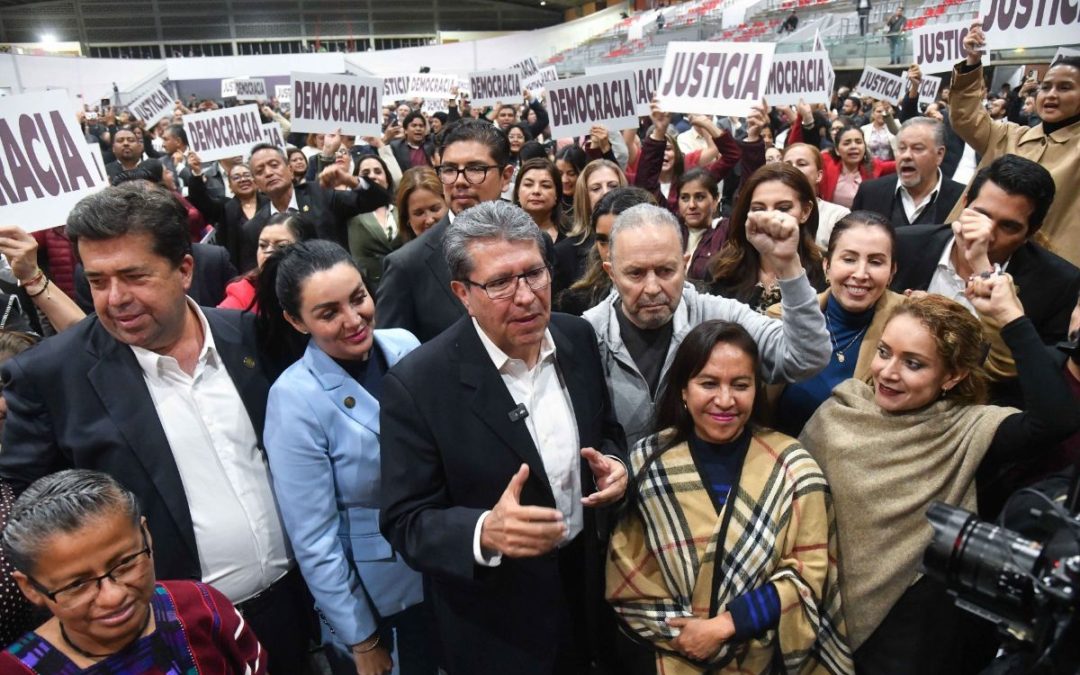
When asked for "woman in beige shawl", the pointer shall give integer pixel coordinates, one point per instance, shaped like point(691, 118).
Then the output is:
point(917, 433)
point(724, 560)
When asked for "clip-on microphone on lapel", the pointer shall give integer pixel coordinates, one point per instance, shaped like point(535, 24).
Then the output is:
point(518, 413)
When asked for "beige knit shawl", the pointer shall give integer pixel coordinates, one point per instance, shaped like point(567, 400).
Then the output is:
point(884, 470)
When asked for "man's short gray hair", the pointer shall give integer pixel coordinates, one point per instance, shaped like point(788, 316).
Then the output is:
point(638, 216)
point(937, 129)
point(487, 220)
point(62, 503)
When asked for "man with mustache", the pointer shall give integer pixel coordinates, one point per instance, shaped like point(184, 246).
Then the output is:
point(651, 309)
point(917, 193)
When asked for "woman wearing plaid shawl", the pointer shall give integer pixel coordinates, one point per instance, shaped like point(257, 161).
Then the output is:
point(724, 559)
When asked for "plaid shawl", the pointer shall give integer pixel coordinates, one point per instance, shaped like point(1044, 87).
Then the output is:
point(776, 527)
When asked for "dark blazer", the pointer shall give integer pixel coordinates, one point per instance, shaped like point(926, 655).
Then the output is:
point(414, 292)
point(226, 214)
point(1047, 284)
point(368, 245)
point(449, 450)
point(213, 272)
point(401, 152)
point(328, 210)
point(79, 400)
point(879, 195)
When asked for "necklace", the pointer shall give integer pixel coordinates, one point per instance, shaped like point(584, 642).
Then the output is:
point(836, 347)
point(82, 652)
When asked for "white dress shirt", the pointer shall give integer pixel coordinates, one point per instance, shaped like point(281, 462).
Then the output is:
point(911, 209)
point(552, 426)
point(947, 282)
point(239, 534)
point(292, 205)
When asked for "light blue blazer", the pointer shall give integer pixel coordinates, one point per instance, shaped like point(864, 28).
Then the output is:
point(322, 439)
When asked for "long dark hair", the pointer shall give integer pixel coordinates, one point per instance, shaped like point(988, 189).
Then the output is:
point(738, 263)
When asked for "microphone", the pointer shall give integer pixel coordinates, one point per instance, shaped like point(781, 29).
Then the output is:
point(518, 413)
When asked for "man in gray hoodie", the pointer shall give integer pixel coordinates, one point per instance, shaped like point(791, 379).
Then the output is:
point(651, 309)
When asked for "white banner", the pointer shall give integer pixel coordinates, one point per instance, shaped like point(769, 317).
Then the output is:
point(880, 85)
point(646, 77)
point(428, 85)
point(1026, 23)
point(229, 132)
point(153, 106)
point(45, 164)
point(271, 133)
point(714, 78)
point(434, 105)
point(808, 76)
point(250, 89)
point(940, 46)
point(395, 88)
point(1062, 52)
point(575, 105)
point(283, 93)
point(928, 88)
point(228, 87)
point(99, 162)
point(495, 86)
point(527, 67)
point(325, 103)
point(540, 79)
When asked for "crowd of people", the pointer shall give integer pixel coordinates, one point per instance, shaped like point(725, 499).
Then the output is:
point(466, 398)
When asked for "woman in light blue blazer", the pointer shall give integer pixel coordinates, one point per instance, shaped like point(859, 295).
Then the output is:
point(322, 438)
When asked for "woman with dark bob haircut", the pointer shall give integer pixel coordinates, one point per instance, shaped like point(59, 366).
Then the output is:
point(724, 558)
point(82, 551)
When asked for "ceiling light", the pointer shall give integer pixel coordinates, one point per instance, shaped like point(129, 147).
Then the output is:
point(47, 38)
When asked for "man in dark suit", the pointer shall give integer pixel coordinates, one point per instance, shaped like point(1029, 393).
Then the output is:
point(327, 208)
point(499, 445)
point(918, 193)
point(127, 148)
point(1004, 209)
point(413, 149)
point(170, 400)
point(414, 292)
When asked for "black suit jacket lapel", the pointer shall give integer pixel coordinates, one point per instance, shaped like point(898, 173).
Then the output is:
point(492, 403)
point(243, 367)
point(436, 261)
point(118, 381)
point(573, 374)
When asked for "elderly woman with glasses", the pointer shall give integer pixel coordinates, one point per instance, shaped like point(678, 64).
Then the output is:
point(81, 550)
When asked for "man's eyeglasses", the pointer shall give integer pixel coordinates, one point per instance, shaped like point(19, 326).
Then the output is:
point(474, 173)
point(129, 572)
point(537, 278)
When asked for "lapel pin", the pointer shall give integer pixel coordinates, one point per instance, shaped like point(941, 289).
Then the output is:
point(306, 207)
point(350, 401)
point(249, 362)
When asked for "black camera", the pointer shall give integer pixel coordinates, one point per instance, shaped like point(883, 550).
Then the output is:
point(1029, 590)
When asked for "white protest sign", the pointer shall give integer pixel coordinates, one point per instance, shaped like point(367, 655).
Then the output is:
point(283, 93)
point(807, 76)
point(540, 79)
point(228, 132)
point(434, 105)
point(880, 85)
point(575, 105)
point(646, 77)
point(45, 164)
point(1026, 23)
point(228, 87)
point(250, 89)
point(714, 78)
point(428, 85)
point(326, 103)
point(495, 86)
point(271, 133)
point(153, 106)
point(395, 88)
point(819, 45)
point(1062, 52)
point(99, 162)
point(527, 67)
point(939, 46)
point(928, 88)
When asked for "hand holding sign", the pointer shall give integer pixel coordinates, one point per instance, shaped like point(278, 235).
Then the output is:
point(775, 235)
point(660, 119)
point(194, 163)
point(755, 121)
point(21, 251)
point(975, 43)
point(518, 531)
point(1031, 85)
point(914, 78)
point(599, 139)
